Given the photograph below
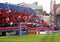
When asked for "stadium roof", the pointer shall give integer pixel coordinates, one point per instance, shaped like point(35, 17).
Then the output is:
point(16, 7)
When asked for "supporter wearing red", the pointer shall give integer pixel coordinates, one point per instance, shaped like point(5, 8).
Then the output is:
point(0, 12)
point(13, 19)
point(53, 26)
point(25, 19)
point(19, 17)
point(3, 20)
point(42, 22)
point(0, 15)
point(33, 19)
point(0, 19)
point(26, 15)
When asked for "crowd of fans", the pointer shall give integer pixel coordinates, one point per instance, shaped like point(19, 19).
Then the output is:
point(14, 16)
point(8, 16)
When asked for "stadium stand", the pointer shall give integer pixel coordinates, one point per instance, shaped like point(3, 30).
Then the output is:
point(12, 15)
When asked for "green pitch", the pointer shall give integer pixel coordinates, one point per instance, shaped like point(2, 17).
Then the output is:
point(31, 38)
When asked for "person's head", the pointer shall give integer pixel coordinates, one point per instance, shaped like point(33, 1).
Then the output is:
point(52, 23)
